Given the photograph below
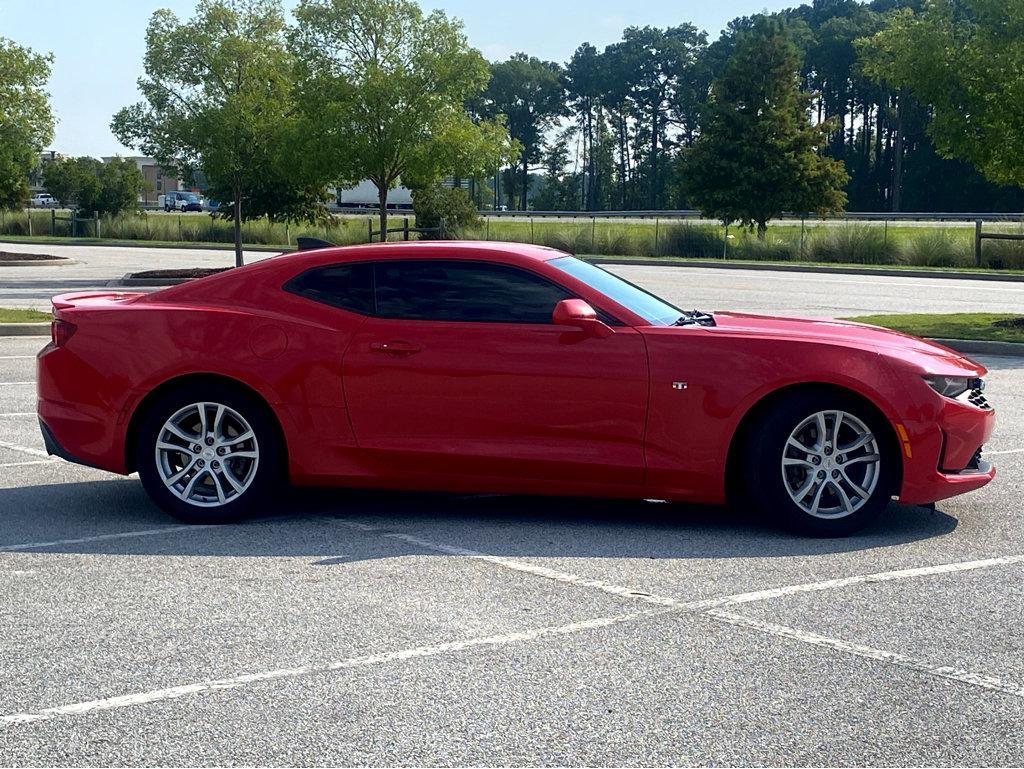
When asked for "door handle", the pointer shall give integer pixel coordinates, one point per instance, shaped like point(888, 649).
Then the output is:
point(396, 347)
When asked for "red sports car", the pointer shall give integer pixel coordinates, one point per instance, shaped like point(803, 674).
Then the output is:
point(495, 367)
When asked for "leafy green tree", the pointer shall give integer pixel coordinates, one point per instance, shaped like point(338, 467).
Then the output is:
point(530, 94)
point(219, 98)
point(63, 177)
point(447, 208)
point(757, 154)
point(26, 122)
point(384, 87)
point(94, 186)
point(964, 58)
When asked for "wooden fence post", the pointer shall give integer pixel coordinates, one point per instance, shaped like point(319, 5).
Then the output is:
point(53, 222)
point(96, 223)
point(369, 230)
point(29, 211)
point(405, 228)
point(977, 243)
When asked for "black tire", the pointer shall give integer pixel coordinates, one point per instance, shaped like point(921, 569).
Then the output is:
point(267, 475)
point(767, 484)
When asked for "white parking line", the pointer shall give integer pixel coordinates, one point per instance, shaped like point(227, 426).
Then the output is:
point(892, 658)
point(101, 537)
point(1005, 451)
point(710, 603)
point(11, 384)
point(24, 449)
point(711, 607)
point(19, 414)
point(25, 464)
point(17, 357)
point(665, 606)
point(176, 692)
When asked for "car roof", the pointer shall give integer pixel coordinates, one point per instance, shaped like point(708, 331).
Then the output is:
point(486, 250)
point(275, 270)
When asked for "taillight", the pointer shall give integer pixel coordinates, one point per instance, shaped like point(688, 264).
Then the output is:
point(61, 331)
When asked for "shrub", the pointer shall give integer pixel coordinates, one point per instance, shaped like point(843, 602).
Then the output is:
point(698, 242)
point(934, 248)
point(448, 209)
point(1003, 254)
point(852, 243)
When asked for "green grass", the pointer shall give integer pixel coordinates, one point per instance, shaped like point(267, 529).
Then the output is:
point(16, 315)
point(940, 245)
point(966, 325)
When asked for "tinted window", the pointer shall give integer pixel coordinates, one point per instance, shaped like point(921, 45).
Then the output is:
point(464, 291)
point(349, 286)
point(649, 307)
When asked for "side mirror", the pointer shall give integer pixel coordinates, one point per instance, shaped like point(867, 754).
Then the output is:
point(579, 314)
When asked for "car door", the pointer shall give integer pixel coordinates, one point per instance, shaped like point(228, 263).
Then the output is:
point(460, 372)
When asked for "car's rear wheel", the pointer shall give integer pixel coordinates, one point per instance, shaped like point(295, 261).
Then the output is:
point(821, 463)
point(208, 454)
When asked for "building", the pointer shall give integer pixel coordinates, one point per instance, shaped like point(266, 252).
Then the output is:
point(35, 176)
point(157, 180)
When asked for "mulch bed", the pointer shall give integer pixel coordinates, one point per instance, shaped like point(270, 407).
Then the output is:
point(8, 256)
point(185, 274)
point(1010, 322)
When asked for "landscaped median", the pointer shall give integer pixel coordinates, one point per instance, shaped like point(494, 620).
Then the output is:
point(24, 322)
point(971, 332)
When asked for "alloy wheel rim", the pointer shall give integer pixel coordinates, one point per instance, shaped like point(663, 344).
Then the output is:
point(831, 464)
point(207, 454)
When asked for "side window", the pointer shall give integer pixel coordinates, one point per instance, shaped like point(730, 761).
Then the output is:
point(348, 286)
point(463, 291)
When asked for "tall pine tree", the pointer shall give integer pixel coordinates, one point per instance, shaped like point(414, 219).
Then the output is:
point(757, 153)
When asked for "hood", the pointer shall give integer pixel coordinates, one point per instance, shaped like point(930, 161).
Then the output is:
point(928, 356)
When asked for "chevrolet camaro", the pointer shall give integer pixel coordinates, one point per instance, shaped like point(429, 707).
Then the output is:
point(496, 367)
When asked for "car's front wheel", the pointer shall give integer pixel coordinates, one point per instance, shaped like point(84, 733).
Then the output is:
point(822, 464)
point(207, 454)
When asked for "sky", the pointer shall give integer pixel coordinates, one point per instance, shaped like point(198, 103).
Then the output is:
point(98, 46)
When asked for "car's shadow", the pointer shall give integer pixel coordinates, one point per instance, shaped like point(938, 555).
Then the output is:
point(306, 525)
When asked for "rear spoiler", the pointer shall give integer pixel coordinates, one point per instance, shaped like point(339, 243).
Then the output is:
point(309, 244)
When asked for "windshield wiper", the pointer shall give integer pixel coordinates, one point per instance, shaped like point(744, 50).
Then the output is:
point(695, 318)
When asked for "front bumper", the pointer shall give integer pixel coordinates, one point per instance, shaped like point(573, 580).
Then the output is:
point(945, 456)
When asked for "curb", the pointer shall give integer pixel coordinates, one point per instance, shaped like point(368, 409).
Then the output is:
point(144, 244)
point(38, 263)
point(24, 329)
point(847, 270)
point(982, 347)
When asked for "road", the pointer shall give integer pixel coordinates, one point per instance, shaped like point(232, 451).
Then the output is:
point(813, 295)
point(386, 629)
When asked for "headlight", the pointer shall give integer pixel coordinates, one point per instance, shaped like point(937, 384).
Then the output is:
point(951, 386)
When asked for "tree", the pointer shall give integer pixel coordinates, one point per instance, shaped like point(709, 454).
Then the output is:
point(757, 154)
point(219, 98)
point(108, 188)
point(530, 94)
point(26, 122)
point(964, 58)
point(583, 86)
point(64, 177)
point(666, 62)
point(446, 208)
point(385, 86)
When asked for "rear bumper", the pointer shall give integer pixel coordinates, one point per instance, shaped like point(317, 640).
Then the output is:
point(946, 454)
point(76, 424)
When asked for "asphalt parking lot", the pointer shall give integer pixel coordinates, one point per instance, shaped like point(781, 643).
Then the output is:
point(382, 628)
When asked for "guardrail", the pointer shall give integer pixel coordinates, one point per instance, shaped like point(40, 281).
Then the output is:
point(919, 216)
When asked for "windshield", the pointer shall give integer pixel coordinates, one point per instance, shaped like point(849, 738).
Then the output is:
point(189, 197)
point(655, 311)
